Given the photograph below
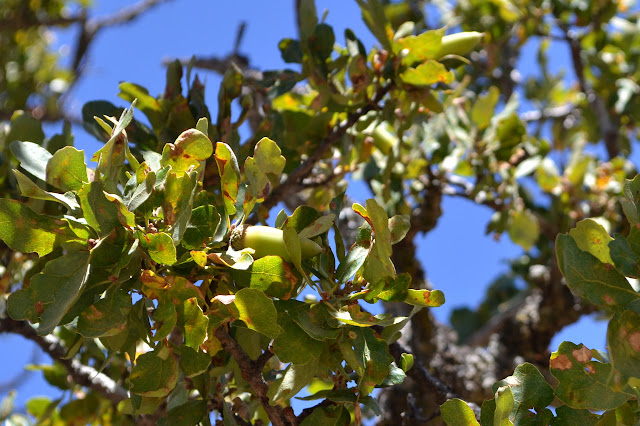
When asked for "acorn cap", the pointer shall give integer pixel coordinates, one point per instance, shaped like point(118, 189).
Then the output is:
point(236, 239)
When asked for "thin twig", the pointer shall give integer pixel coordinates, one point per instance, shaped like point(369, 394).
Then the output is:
point(81, 374)
point(305, 168)
point(253, 375)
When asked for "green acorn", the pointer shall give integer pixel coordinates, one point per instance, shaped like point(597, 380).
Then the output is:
point(268, 241)
point(459, 44)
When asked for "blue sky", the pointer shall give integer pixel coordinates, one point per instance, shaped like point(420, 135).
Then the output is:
point(458, 257)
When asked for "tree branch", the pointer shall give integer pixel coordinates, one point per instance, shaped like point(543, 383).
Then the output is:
point(608, 131)
point(80, 374)
point(280, 192)
point(252, 373)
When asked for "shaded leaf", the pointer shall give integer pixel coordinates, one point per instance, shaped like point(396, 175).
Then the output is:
point(154, 374)
point(587, 277)
point(52, 291)
point(293, 344)
point(106, 317)
point(194, 362)
point(623, 342)
point(195, 324)
point(295, 377)
point(100, 213)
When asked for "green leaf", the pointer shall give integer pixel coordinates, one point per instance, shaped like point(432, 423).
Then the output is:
point(179, 191)
point(484, 107)
point(295, 377)
point(428, 298)
point(378, 263)
point(190, 149)
point(165, 318)
point(406, 362)
point(314, 319)
point(100, 213)
point(584, 382)
point(336, 415)
point(399, 225)
point(24, 230)
point(195, 324)
point(33, 158)
point(67, 170)
point(106, 317)
point(194, 362)
point(524, 228)
point(191, 413)
point(591, 237)
point(144, 102)
point(203, 223)
point(318, 226)
point(625, 253)
point(292, 245)
point(373, 354)
point(350, 265)
point(456, 412)
point(567, 416)
point(257, 311)
point(587, 277)
point(413, 49)
point(111, 157)
point(428, 73)
point(154, 374)
point(136, 193)
point(293, 344)
point(229, 176)
point(25, 127)
point(267, 160)
point(389, 289)
point(52, 291)
point(354, 315)
point(376, 20)
point(29, 189)
point(530, 391)
point(504, 406)
point(160, 247)
point(273, 276)
point(631, 202)
point(623, 342)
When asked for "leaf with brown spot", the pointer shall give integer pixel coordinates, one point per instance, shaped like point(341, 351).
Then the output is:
point(229, 176)
point(591, 237)
point(24, 230)
point(623, 341)
point(584, 383)
point(587, 277)
point(189, 150)
point(66, 170)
